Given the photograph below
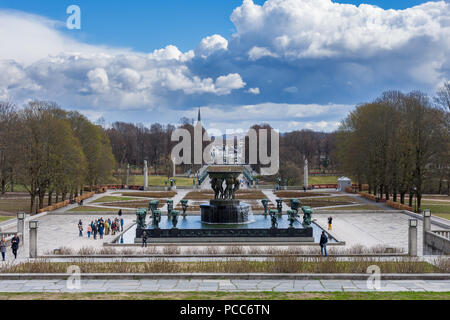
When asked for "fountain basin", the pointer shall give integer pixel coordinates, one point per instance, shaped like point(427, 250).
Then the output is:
point(225, 212)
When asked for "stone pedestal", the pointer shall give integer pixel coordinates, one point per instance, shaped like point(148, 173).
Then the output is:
point(306, 174)
point(33, 239)
point(426, 228)
point(412, 238)
point(145, 176)
point(21, 229)
point(225, 212)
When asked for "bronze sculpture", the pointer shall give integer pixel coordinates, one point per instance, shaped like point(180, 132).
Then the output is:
point(141, 214)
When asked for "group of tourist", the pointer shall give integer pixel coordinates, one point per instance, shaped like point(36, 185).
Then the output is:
point(102, 227)
point(14, 246)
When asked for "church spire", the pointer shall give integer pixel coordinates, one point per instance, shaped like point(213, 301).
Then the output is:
point(199, 115)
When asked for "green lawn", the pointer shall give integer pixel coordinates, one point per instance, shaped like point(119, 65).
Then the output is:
point(92, 209)
point(439, 208)
point(362, 207)
point(112, 199)
point(260, 296)
point(158, 181)
point(15, 205)
point(443, 215)
point(6, 218)
point(323, 180)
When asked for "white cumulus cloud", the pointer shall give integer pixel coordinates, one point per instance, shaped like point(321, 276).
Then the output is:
point(210, 45)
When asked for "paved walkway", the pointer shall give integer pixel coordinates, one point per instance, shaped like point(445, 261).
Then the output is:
point(222, 286)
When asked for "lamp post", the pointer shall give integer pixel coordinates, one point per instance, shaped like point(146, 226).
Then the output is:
point(426, 228)
point(412, 237)
point(415, 199)
point(33, 238)
point(21, 225)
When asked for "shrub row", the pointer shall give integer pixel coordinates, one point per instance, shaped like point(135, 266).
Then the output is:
point(390, 203)
point(65, 203)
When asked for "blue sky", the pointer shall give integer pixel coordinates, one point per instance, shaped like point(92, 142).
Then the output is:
point(148, 25)
point(293, 63)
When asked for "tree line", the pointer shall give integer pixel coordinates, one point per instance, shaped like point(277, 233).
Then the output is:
point(399, 144)
point(51, 152)
point(133, 143)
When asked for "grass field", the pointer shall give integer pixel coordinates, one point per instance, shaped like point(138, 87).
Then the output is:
point(274, 265)
point(240, 195)
point(91, 209)
point(299, 194)
point(323, 180)
point(6, 218)
point(354, 208)
point(259, 296)
point(438, 208)
point(153, 195)
point(158, 181)
point(134, 204)
point(15, 205)
point(111, 199)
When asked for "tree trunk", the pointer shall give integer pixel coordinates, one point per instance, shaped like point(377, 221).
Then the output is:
point(411, 195)
point(394, 195)
point(56, 197)
point(50, 195)
point(387, 193)
point(41, 200)
point(32, 199)
point(419, 200)
point(3, 186)
point(402, 197)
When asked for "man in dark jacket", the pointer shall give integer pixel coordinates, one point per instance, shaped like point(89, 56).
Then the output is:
point(144, 239)
point(323, 243)
point(15, 245)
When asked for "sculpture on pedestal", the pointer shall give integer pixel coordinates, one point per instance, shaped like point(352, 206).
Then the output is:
point(307, 215)
point(156, 218)
point(184, 205)
point(141, 214)
point(273, 218)
point(175, 214)
point(265, 202)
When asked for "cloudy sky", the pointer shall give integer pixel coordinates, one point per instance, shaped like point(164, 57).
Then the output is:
point(292, 63)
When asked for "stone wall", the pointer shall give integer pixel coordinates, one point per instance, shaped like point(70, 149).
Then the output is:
point(435, 244)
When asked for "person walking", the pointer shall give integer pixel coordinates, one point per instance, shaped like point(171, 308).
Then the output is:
point(80, 228)
point(15, 245)
point(120, 212)
point(3, 248)
point(323, 244)
point(330, 223)
point(101, 229)
point(95, 230)
point(121, 224)
point(144, 239)
point(89, 230)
